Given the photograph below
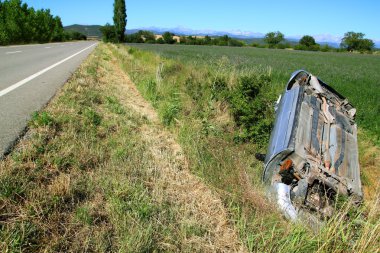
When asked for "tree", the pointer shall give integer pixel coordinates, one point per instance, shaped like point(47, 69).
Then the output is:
point(147, 36)
point(58, 33)
point(182, 40)
point(366, 45)
point(273, 38)
point(307, 41)
point(355, 41)
point(74, 35)
point(4, 38)
point(208, 40)
point(223, 41)
point(120, 19)
point(44, 26)
point(21, 24)
point(168, 38)
point(108, 33)
point(160, 41)
point(134, 38)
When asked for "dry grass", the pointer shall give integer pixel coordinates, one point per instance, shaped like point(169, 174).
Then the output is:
point(198, 207)
point(229, 168)
point(98, 172)
point(103, 170)
point(369, 156)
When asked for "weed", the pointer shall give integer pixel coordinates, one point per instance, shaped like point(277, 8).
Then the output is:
point(41, 119)
point(150, 89)
point(206, 82)
point(92, 184)
point(114, 105)
point(83, 215)
point(355, 76)
point(131, 50)
point(170, 110)
point(11, 187)
point(109, 179)
point(21, 237)
point(93, 117)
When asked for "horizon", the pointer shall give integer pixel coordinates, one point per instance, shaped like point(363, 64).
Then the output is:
point(244, 17)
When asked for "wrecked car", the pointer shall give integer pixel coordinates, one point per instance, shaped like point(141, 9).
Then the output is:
point(313, 153)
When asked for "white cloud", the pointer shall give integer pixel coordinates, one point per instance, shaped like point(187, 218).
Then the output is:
point(327, 38)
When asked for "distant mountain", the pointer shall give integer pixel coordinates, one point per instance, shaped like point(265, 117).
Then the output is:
point(248, 37)
point(187, 31)
point(88, 30)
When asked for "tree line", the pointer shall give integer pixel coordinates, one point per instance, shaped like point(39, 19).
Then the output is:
point(170, 38)
point(21, 24)
point(116, 33)
point(351, 41)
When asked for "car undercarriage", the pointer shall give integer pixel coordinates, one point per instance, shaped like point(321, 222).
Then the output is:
point(313, 153)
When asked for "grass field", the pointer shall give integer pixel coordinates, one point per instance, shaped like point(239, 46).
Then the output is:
point(138, 153)
point(355, 76)
point(196, 92)
point(97, 172)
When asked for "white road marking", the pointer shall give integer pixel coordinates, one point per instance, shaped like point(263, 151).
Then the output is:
point(34, 45)
point(22, 82)
point(14, 52)
point(31, 45)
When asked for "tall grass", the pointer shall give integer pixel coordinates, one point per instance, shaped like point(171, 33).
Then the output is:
point(207, 131)
point(354, 76)
point(94, 175)
point(83, 178)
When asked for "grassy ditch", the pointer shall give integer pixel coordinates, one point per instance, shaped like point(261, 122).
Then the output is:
point(355, 76)
point(210, 110)
point(103, 170)
point(84, 178)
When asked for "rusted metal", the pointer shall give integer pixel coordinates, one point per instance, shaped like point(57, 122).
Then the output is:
point(313, 147)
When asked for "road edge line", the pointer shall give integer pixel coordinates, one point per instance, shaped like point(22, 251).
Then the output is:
point(24, 81)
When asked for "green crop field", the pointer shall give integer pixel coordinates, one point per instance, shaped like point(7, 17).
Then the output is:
point(355, 76)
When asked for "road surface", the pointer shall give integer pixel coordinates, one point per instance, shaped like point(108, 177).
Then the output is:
point(30, 76)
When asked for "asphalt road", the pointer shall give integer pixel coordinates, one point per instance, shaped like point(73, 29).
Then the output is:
point(30, 76)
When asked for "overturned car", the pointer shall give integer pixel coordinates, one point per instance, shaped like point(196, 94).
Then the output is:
point(313, 153)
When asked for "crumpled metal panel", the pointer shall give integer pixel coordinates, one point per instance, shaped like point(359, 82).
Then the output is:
point(282, 131)
point(314, 130)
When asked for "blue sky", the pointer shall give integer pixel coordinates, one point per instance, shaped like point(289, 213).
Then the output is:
point(295, 17)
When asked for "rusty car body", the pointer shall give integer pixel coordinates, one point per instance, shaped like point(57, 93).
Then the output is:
point(313, 153)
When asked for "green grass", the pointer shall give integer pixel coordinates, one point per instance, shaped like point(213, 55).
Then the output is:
point(92, 174)
point(355, 76)
point(82, 179)
point(206, 85)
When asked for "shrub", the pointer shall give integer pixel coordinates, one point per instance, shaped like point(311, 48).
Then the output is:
point(73, 35)
point(170, 110)
point(249, 104)
point(108, 33)
point(41, 119)
point(160, 41)
point(273, 38)
point(168, 38)
point(307, 41)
